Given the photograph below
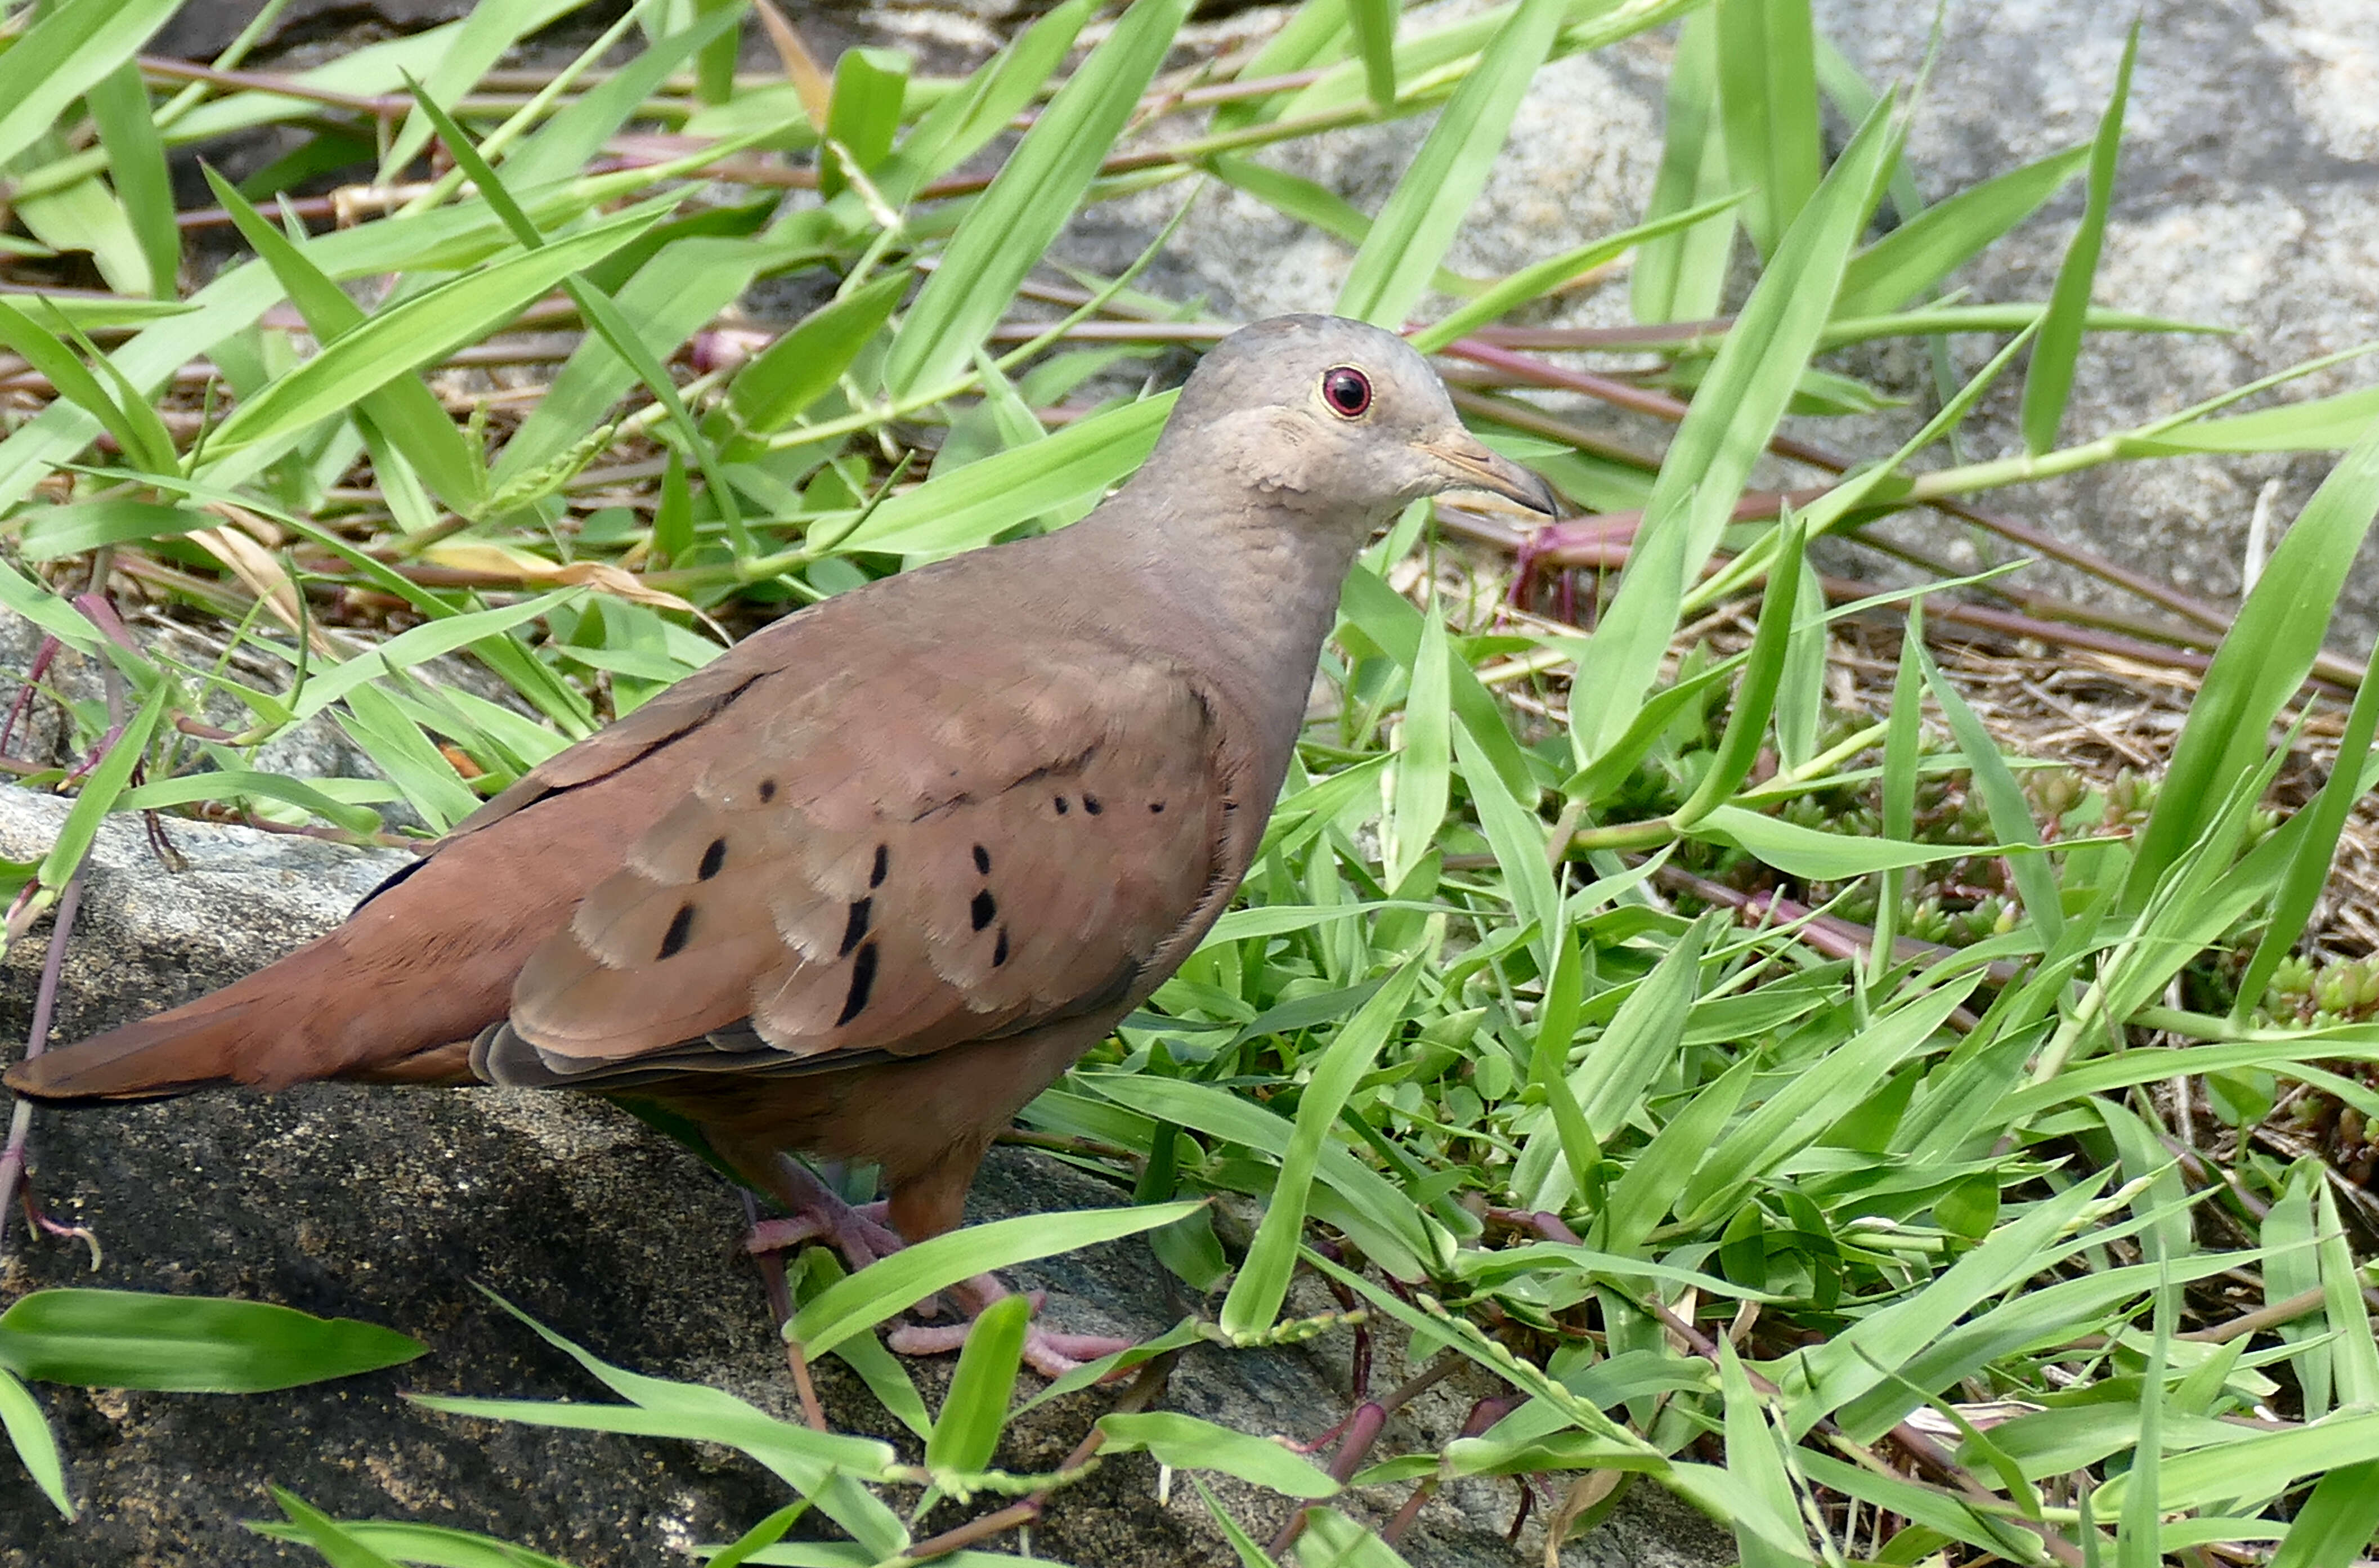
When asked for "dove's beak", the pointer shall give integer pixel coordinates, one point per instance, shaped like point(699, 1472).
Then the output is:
point(1472, 465)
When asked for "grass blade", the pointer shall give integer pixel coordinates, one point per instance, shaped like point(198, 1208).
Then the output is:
point(419, 332)
point(1254, 1304)
point(893, 1285)
point(1680, 276)
point(1006, 232)
point(1749, 386)
point(2268, 651)
point(1374, 24)
point(2048, 382)
point(135, 162)
point(1768, 96)
point(1915, 256)
point(70, 48)
point(1410, 236)
point(37, 1446)
point(967, 1431)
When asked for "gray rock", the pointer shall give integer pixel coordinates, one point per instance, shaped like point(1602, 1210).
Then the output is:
point(390, 1205)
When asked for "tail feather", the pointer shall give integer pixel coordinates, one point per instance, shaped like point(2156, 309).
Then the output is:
point(171, 1053)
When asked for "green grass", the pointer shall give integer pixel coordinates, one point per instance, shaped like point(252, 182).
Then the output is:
point(1773, 1103)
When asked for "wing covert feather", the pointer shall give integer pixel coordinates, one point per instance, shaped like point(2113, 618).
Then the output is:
point(914, 854)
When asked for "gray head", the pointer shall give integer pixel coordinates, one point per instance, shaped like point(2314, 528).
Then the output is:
point(1321, 413)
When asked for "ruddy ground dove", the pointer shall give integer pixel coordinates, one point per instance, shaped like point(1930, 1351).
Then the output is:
point(872, 880)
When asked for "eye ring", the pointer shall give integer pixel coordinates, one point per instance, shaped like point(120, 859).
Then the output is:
point(1346, 391)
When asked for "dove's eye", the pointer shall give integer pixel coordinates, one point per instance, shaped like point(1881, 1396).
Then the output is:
point(1347, 391)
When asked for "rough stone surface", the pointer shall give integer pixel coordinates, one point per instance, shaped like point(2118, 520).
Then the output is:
point(390, 1205)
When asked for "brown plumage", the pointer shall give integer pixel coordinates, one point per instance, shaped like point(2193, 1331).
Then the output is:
point(872, 880)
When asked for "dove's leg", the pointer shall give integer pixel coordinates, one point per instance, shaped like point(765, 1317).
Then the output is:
point(817, 1212)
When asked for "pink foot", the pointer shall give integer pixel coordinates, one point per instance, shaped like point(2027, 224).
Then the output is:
point(1048, 1352)
point(819, 1213)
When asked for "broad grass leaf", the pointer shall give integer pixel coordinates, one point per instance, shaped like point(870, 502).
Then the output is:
point(404, 410)
point(1928, 247)
point(1369, 1208)
point(2309, 861)
point(187, 1343)
point(420, 331)
point(983, 500)
point(1752, 1458)
point(1424, 754)
point(894, 1284)
point(421, 643)
point(2320, 424)
point(781, 382)
point(862, 114)
point(232, 785)
point(825, 1466)
point(2049, 381)
point(406, 758)
point(70, 48)
point(976, 1408)
point(28, 1432)
point(1409, 239)
point(671, 297)
point(1541, 278)
point(1006, 232)
point(135, 425)
point(1828, 857)
point(2356, 1364)
point(2262, 659)
point(135, 162)
point(2261, 1464)
point(325, 1535)
point(1866, 1357)
point(1763, 672)
point(748, 1546)
point(1254, 1304)
point(1641, 1199)
point(1767, 98)
point(96, 797)
point(963, 124)
point(2335, 1524)
point(1819, 1094)
point(54, 531)
point(1185, 1442)
point(1389, 620)
point(1373, 25)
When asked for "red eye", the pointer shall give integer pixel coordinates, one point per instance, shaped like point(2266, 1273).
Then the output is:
point(1347, 390)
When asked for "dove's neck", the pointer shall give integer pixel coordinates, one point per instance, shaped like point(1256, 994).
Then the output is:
point(1241, 586)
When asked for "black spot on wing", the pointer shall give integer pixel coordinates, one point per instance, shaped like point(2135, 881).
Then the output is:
point(712, 858)
point(983, 909)
point(680, 927)
point(999, 949)
point(855, 927)
point(863, 980)
point(767, 790)
point(883, 865)
point(983, 860)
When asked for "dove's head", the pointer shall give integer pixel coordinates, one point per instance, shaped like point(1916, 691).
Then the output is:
point(1324, 415)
